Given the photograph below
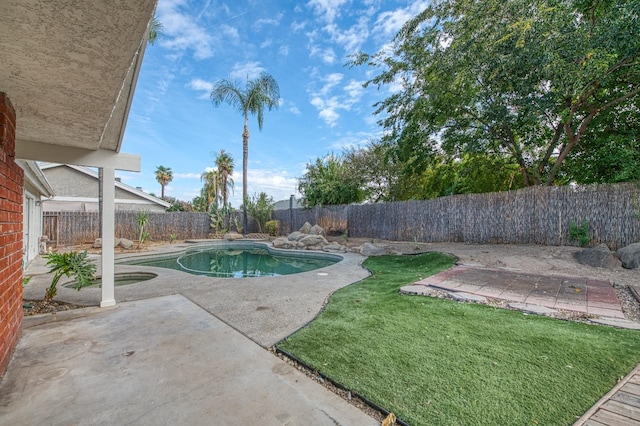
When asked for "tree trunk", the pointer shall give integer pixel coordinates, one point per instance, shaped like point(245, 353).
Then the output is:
point(245, 160)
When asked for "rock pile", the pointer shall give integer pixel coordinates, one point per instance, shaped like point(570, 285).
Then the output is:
point(308, 238)
point(601, 257)
point(122, 242)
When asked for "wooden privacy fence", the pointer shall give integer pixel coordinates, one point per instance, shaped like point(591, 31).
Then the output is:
point(537, 215)
point(67, 228)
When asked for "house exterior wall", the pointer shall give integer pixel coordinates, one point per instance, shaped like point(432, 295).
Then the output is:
point(32, 222)
point(11, 187)
point(77, 191)
point(71, 183)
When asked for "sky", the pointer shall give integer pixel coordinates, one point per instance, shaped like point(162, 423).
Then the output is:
point(304, 45)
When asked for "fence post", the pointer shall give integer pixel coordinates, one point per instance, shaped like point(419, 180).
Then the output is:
point(291, 199)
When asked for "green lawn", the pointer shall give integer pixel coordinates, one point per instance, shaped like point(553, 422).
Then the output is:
point(438, 362)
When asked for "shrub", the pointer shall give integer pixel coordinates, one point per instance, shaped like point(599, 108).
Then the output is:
point(68, 264)
point(272, 227)
point(579, 233)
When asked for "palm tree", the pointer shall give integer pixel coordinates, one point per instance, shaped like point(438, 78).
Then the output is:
point(225, 166)
point(211, 189)
point(253, 98)
point(164, 175)
point(156, 30)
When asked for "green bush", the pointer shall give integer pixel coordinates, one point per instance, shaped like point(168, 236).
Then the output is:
point(272, 227)
point(580, 233)
point(74, 264)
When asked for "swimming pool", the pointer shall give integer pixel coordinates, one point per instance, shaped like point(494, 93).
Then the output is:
point(239, 260)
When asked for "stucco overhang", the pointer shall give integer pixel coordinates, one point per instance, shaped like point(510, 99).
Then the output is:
point(69, 69)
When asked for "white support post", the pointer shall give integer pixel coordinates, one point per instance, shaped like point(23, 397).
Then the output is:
point(108, 237)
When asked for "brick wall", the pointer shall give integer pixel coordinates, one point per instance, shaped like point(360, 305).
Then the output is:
point(11, 186)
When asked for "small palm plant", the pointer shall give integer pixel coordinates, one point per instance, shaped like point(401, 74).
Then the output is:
point(74, 264)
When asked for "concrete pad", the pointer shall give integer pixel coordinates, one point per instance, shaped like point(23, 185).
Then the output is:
point(157, 361)
point(266, 309)
point(616, 322)
point(467, 297)
point(532, 309)
point(419, 290)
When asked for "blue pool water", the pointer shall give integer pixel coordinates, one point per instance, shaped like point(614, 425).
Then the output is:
point(237, 262)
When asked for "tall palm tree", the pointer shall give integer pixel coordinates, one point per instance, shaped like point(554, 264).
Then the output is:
point(164, 175)
point(211, 189)
point(156, 30)
point(258, 94)
point(225, 166)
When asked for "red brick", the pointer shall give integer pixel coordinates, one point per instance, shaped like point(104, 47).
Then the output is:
point(11, 188)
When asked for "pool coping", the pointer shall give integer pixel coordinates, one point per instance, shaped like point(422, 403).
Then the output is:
point(265, 309)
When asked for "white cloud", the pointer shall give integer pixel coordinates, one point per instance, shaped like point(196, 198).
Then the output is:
point(294, 110)
point(201, 85)
point(354, 89)
point(326, 55)
point(330, 81)
point(187, 175)
point(326, 9)
point(351, 38)
point(249, 70)
point(283, 50)
point(268, 21)
point(328, 109)
point(182, 32)
point(278, 184)
point(390, 22)
point(351, 140)
point(298, 26)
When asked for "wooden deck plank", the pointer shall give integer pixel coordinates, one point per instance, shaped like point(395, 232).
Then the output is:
point(631, 388)
point(612, 419)
point(622, 409)
point(593, 423)
point(635, 379)
point(626, 398)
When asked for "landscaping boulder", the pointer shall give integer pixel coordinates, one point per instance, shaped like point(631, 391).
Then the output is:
point(370, 249)
point(316, 230)
point(284, 243)
point(97, 243)
point(232, 236)
point(335, 248)
point(296, 236)
point(313, 242)
point(305, 228)
point(598, 257)
point(630, 256)
point(126, 244)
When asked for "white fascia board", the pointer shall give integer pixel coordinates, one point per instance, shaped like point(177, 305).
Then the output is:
point(35, 176)
point(95, 200)
point(38, 151)
point(123, 186)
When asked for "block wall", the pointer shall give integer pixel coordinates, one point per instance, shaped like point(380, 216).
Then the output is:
point(11, 202)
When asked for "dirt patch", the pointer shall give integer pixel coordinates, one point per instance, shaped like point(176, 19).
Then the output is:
point(35, 307)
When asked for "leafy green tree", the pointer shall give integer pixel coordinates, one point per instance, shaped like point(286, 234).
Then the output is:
point(199, 203)
point(376, 167)
point(224, 166)
point(258, 94)
point(525, 79)
point(328, 181)
point(211, 189)
point(260, 208)
point(609, 152)
point(164, 175)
